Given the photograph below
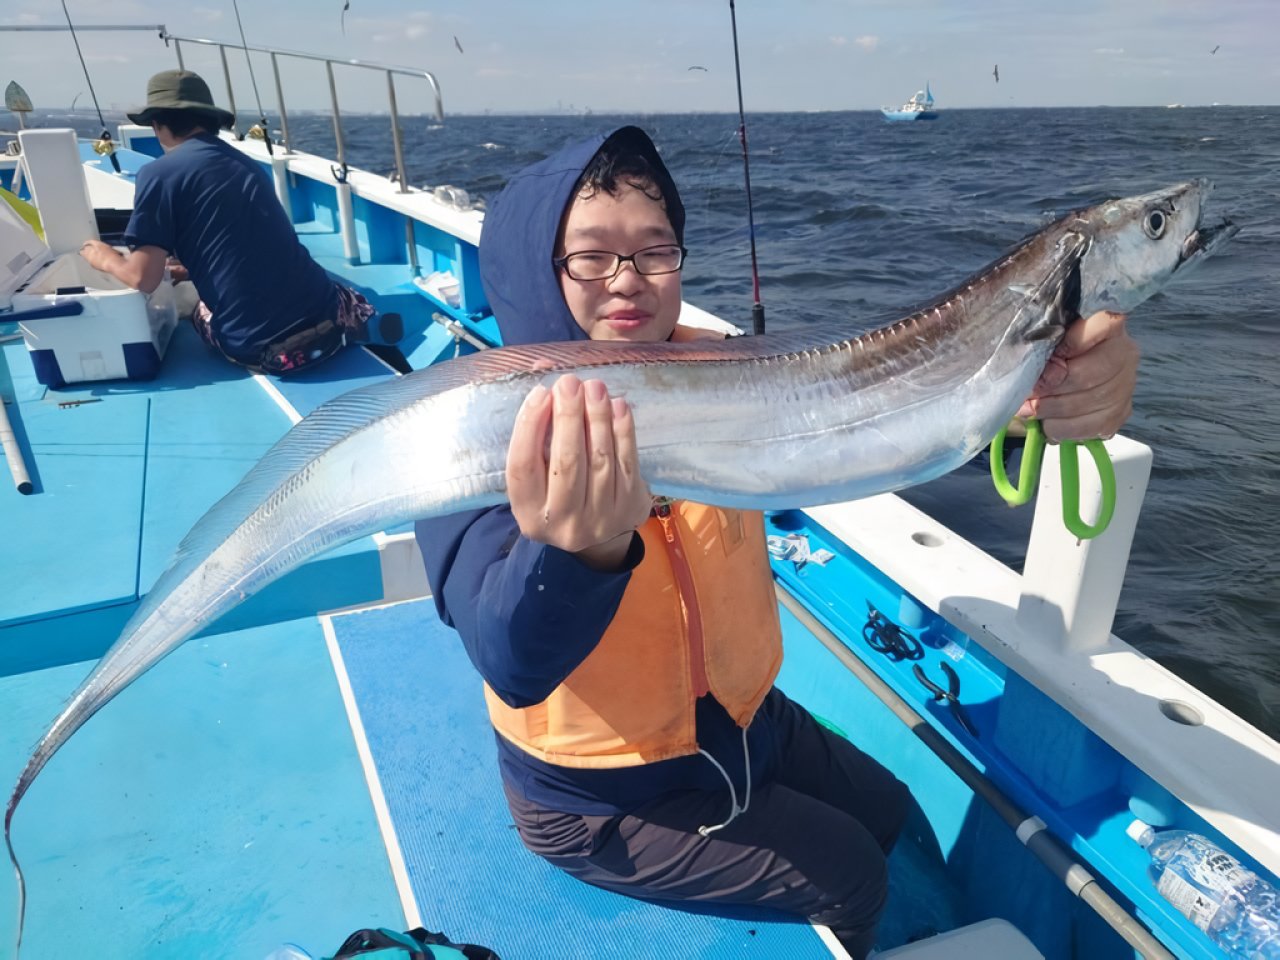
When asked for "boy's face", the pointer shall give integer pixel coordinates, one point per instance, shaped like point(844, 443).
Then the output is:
point(628, 306)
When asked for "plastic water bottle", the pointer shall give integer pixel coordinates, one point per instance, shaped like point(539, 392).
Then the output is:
point(1236, 908)
point(288, 951)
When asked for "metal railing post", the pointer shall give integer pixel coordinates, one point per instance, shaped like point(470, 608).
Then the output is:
point(177, 48)
point(410, 238)
point(395, 133)
point(337, 117)
point(284, 116)
point(231, 94)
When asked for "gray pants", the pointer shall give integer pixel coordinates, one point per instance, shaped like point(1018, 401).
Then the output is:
point(812, 843)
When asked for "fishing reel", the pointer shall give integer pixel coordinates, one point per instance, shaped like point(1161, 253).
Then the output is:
point(104, 146)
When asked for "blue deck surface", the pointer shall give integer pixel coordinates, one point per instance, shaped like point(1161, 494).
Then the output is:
point(216, 808)
point(423, 711)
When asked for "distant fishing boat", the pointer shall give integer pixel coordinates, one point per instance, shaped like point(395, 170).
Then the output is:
point(919, 107)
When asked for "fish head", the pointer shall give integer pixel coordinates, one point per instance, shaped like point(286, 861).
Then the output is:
point(1138, 244)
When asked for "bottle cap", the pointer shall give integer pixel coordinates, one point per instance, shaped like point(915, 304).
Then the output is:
point(1136, 830)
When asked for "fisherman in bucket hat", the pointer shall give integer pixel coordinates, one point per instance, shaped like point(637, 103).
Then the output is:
point(208, 210)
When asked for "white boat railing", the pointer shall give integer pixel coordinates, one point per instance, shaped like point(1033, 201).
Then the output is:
point(275, 54)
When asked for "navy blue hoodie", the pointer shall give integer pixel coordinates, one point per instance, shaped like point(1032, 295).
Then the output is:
point(526, 641)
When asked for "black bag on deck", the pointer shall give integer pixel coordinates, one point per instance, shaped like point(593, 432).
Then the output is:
point(416, 944)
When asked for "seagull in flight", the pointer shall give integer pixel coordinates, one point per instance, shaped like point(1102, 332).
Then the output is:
point(703, 69)
point(456, 43)
point(995, 72)
point(1214, 50)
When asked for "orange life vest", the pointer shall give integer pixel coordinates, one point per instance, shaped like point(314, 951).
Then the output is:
point(698, 615)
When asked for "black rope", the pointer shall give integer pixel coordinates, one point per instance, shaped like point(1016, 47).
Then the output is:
point(886, 637)
point(262, 114)
point(106, 134)
point(757, 308)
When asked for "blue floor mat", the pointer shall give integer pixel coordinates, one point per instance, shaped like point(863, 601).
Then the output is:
point(422, 707)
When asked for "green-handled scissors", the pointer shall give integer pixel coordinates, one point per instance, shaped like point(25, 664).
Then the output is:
point(1069, 462)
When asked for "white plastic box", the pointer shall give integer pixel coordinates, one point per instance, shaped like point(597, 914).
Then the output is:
point(79, 324)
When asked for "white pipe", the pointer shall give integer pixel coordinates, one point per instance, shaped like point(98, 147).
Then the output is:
point(280, 174)
point(347, 223)
point(13, 453)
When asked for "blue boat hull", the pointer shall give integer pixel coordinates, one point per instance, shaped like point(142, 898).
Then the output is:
point(907, 115)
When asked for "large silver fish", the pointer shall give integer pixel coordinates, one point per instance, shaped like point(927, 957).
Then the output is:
point(784, 420)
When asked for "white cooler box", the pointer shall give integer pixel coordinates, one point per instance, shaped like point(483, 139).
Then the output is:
point(79, 324)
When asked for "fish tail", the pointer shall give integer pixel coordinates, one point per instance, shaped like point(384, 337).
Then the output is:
point(13, 859)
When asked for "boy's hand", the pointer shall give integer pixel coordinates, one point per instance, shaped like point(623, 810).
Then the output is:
point(1086, 390)
point(583, 491)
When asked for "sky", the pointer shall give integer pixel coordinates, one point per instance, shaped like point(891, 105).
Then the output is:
point(548, 56)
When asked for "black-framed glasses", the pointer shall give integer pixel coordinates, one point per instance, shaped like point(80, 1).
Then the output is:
point(603, 265)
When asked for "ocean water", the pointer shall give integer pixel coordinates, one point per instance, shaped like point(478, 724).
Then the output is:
point(857, 220)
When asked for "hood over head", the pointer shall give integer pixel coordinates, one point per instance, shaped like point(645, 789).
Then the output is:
point(517, 243)
point(519, 235)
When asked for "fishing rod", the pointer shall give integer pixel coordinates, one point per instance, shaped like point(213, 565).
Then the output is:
point(262, 114)
point(104, 144)
point(757, 308)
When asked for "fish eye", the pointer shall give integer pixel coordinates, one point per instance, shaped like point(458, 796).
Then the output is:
point(1153, 225)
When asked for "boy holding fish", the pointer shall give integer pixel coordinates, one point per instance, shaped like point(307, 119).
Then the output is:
point(629, 646)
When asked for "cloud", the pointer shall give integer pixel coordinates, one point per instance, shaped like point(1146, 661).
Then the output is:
point(1109, 51)
point(415, 31)
point(839, 41)
point(868, 42)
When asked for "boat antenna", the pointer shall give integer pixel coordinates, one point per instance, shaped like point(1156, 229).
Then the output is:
point(262, 115)
point(757, 308)
point(104, 144)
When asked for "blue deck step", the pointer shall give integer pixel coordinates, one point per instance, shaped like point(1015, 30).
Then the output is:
point(121, 478)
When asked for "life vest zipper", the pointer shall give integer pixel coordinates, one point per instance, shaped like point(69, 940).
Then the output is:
point(689, 597)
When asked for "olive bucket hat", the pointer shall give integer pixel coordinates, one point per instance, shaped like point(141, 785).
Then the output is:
point(180, 90)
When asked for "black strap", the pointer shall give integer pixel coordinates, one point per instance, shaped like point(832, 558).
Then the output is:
point(469, 950)
point(368, 940)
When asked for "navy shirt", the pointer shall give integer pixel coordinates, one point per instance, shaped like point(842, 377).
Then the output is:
point(215, 209)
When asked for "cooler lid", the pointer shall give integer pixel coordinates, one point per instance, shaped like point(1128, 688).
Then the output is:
point(22, 253)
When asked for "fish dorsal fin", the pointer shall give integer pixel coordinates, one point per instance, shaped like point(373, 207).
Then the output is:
point(360, 408)
point(586, 354)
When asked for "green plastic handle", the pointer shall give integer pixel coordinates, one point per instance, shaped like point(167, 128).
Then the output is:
point(1028, 473)
point(1069, 460)
point(1069, 465)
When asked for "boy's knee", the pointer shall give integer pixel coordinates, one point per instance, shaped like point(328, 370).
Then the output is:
point(853, 912)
